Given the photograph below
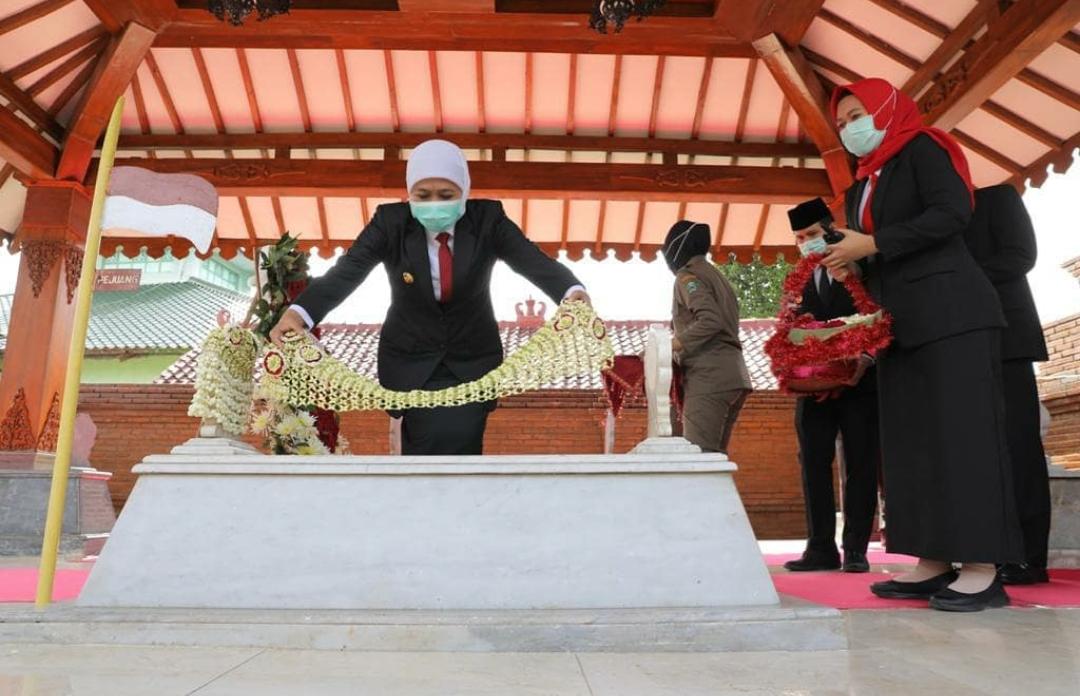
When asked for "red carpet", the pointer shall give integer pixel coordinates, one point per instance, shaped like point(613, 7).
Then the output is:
point(852, 590)
point(20, 584)
point(834, 589)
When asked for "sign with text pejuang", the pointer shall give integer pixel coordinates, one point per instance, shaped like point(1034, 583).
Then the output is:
point(117, 280)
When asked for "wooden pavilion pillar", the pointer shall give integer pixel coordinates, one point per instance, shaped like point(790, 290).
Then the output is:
point(31, 386)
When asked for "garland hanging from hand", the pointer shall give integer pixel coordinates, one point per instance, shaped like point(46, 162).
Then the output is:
point(302, 373)
point(224, 378)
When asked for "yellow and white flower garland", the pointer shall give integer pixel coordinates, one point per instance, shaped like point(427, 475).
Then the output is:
point(224, 378)
point(303, 373)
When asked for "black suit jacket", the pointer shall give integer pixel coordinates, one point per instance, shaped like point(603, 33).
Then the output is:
point(420, 333)
point(839, 305)
point(924, 274)
point(1002, 240)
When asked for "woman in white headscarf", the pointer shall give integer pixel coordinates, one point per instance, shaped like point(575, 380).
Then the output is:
point(440, 330)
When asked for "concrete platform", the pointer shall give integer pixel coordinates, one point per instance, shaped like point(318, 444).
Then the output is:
point(491, 533)
point(792, 625)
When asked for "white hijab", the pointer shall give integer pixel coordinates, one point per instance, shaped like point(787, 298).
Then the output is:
point(438, 159)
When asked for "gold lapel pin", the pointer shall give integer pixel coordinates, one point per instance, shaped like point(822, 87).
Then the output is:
point(407, 277)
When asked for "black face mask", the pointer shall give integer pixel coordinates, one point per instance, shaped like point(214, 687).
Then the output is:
point(684, 241)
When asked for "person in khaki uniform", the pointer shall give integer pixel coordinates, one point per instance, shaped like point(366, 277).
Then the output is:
point(705, 318)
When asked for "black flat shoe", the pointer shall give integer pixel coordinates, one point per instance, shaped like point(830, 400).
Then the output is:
point(1022, 574)
point(814, 561)
point(894, 589)
point(855, 562)
point(951, 600)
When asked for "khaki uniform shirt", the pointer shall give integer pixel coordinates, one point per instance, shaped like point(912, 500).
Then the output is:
point(705, 316)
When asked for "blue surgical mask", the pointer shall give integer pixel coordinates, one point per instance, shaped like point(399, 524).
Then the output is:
point(861, 137)
point(437, 216)
point(816, 245)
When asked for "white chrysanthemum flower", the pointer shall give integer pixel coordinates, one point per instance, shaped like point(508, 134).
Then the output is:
point(261, 422)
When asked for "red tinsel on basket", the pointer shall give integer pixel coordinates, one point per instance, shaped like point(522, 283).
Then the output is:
point(815, 364)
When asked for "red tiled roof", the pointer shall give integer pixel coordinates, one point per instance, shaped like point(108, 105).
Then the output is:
point(356, 344)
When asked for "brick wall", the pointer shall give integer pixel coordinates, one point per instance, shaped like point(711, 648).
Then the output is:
point(1059, 389)
point(134, 421)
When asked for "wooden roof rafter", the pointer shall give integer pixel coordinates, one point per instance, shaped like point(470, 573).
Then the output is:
point(31, 14)
point(72, 63)
point(1025, 29)
point(1060, 160)
point(41, 60)
point(740, 131)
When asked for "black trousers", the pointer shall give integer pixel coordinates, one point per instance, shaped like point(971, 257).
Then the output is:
point(448, 430)
point(1030, 477)
point(855, 417)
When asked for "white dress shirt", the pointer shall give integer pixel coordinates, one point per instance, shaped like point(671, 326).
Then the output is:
point(433, 263)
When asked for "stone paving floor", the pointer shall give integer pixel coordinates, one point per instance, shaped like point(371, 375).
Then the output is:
point(1032, 652)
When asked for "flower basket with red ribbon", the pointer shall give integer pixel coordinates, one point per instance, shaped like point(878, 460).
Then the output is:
point(816, 357)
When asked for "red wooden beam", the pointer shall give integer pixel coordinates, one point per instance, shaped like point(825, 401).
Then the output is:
point(752, 19)
point(111, 78)
point(57, 52)
point(346, 90)
point(65, 68)
point(25, 104)
point(1023, 31)
point(479, 141)
point(573, 181)
point(153, 14)
point(30, 14)
point(955, 41)
point(24, 148)
point(916, 17)
point(803, 90)
point(487, 6)
point(457, 31)
point(81, 80)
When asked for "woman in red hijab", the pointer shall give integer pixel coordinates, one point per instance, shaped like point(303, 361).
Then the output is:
point(947, 476)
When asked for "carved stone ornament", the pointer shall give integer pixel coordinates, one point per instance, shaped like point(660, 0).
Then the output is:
point(15, 430)
point(50, 432)
point(41, 256)
point(73, 262)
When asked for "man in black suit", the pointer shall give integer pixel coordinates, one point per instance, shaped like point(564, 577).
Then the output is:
point(852, 413)
point(1002, 240)
point(440, 330)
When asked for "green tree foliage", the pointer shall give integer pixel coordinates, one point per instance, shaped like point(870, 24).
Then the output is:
point(757, 285)
point(283, 264)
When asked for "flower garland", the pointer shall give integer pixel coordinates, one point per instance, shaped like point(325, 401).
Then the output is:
point(302, 373)
point(804, 348)
point(224, 378)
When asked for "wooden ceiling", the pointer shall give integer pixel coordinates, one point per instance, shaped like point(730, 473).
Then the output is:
point(596, 144)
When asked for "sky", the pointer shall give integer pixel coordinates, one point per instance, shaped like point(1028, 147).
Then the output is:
point(638, 290)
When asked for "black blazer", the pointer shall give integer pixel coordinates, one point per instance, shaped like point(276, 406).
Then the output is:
point(924, 274)
point(1002, 240)
point(840, 304)
point(419, 333)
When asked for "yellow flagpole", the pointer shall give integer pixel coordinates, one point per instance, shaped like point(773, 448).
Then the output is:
point(54, 519)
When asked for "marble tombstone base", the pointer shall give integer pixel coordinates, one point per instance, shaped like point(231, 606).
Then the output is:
point(646, 551)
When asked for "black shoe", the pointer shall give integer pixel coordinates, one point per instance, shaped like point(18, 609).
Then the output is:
point(894, 589)
point(813, 560)
point(1022, 574)
point(855, 562)
point(951, 600)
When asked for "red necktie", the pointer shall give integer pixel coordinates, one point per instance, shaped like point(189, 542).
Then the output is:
point(867, 221)
point(446, 267)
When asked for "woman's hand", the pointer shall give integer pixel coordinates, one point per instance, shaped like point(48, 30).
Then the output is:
point(851, 248)
point(289, 321)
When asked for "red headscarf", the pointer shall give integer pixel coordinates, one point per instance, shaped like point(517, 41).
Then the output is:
point(898, 115)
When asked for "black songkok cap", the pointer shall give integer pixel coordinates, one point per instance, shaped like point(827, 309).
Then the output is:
point(808, 213)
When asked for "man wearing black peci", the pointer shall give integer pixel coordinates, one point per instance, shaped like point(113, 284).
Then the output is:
point(1002, 240)
point(852, 413)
